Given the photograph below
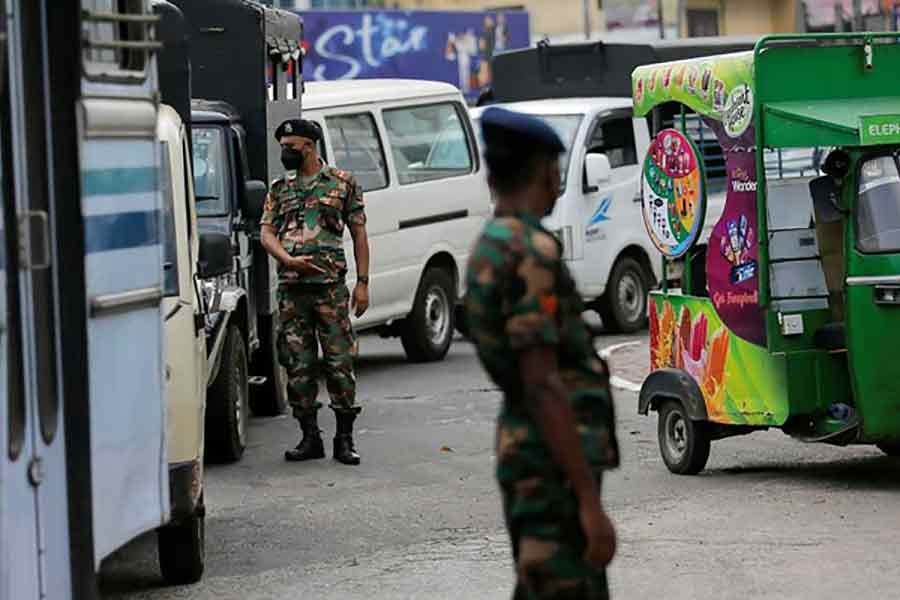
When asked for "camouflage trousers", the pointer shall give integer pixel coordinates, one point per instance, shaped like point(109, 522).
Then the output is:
point(548, 544)
point(314, 315)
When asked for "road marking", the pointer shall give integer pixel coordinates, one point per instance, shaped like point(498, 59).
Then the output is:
point(605, 353)
point(616, 381)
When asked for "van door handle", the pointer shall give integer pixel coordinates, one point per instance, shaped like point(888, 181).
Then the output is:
point(638, 198)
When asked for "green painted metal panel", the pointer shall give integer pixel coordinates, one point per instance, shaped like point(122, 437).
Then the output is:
point(814, 90)
point(803, 123)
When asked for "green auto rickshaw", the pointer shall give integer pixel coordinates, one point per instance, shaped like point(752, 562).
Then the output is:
point(788, 315)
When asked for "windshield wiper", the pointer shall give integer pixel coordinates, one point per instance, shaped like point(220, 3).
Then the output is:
point(205, 198)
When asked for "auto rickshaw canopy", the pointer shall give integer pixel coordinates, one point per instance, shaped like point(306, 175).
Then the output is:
point(815, 90)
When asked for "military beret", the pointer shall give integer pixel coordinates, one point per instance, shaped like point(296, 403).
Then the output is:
point(299, 127)
point(502, 126)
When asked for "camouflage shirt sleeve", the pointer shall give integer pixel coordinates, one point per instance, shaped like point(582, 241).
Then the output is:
point(531, 300)
point(270, 208)
point(354, 206)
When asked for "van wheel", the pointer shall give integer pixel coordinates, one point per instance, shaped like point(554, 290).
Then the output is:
point(181, 548)
point(891, 449)
point(227, 407)
point(684, 444)
point(623, 307)
point(460, 322)
point(270, 398)
point(428, 330)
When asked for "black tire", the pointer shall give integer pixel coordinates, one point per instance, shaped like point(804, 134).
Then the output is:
point(181, 548)
point(270, 398)
point(623, 306)
point(892, 449)
point(462, 326)
point(428, 330)
point(227, 406)
point(683, 444)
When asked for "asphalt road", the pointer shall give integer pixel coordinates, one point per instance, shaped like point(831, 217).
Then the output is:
point(420, 518)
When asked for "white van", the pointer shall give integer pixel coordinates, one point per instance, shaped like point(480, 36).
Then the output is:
point(598, 216)
point(412, 148)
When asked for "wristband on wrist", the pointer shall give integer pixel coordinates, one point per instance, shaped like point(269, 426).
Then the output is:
point(363, 279)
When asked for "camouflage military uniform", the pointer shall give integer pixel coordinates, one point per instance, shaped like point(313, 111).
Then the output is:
point(521, 295)
point(309, 221)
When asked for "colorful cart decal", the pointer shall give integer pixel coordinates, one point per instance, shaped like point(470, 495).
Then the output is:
point(720, 90)
point(742, 384)
point(673, 193)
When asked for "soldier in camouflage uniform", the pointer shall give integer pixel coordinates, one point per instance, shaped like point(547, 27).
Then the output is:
point(556, 430)
point(303, 229)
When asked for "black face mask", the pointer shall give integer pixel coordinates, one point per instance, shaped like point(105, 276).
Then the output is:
point(291, 159)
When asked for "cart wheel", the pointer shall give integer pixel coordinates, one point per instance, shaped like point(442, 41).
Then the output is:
point(683, 443)
point(891, 449)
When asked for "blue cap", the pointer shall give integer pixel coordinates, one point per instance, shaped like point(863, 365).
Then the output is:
point(501, 124)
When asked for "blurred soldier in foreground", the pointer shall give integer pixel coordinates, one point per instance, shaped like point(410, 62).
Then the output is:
point(556, 430)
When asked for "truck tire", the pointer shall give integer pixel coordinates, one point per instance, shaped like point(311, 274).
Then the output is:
point(460, 322)
point(270, 398)
point(623, 307)
point(227, 405)
point(428, 330)
point(181, 547)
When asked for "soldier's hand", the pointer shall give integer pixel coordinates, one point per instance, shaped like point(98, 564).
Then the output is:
point(304, 266)
point(600, 534)
point(360, 300)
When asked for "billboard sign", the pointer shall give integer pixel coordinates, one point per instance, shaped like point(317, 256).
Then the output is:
point(451, 46)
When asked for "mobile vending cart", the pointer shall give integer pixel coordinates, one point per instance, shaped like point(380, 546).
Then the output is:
point(790, 320)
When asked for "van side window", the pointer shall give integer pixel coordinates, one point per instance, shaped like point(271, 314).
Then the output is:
point(615, 138)
point(357, 149)
point(428, 142)
point(170, 247)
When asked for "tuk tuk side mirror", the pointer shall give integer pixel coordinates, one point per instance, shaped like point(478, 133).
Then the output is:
point(826, 195)
point(254, 199)
point(215, 255)
point(598, 171)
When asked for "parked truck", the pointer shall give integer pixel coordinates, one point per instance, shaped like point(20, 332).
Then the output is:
point(102, 347)
point(245, 79)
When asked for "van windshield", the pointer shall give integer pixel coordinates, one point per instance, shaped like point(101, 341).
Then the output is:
point(210, 172)
point(878, 206)
point(566, 126)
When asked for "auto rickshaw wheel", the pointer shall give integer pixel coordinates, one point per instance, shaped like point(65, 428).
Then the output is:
point(684, 444)
point(891, 449)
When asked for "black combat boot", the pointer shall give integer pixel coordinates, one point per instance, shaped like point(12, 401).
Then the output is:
point(311, 445)
point(344, 451)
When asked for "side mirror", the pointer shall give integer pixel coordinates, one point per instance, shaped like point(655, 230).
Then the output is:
point(598, 171)
point(826, 195)
point(215, 255)
point(254, 199)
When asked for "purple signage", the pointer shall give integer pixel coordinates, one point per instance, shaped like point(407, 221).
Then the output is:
point(732, 260)
point(450, 46)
